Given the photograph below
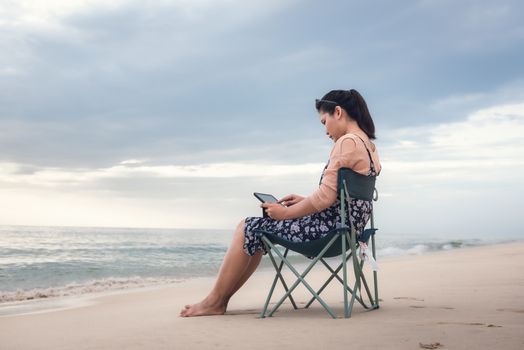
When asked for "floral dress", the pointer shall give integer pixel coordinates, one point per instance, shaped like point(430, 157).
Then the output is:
point(309, 227)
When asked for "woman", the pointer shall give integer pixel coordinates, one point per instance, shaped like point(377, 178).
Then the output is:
point(349, 124)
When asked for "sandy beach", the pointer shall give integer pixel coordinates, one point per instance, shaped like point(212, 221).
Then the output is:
point(470, 298)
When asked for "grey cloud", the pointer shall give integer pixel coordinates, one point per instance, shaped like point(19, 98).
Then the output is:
point(171, 84)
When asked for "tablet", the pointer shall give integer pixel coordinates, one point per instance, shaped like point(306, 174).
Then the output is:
point(265, 198)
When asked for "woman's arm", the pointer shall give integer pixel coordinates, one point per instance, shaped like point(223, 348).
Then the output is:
point(302, 208)
point(279, 212)
point(342, 155)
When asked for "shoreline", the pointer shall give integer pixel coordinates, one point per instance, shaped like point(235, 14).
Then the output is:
point(462, 298)
point(65, 302)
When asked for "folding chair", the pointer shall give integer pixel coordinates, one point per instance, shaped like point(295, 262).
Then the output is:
point(337, 242)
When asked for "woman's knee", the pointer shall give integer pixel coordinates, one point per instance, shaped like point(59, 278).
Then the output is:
point(240, 227)
point(241, 224)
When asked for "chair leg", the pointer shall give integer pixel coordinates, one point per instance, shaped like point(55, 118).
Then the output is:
point(366, 287)
point(334, 273)
point(269, 247)
point(360, 300)
point(375, 277)
point(362, 279)
point(263, 314)
point(356, 288)
point(359, 277)
point(301, 279)
point(344, 277)
point(279, 275)
point(358, 270)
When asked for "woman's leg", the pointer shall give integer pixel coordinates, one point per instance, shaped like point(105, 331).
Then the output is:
point(251, 267)
point(235, 270)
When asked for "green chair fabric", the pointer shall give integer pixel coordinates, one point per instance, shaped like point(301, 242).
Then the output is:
point(340, 242)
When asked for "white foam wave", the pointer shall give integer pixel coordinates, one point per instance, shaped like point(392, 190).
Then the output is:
point(396, 251)
point(94, 286)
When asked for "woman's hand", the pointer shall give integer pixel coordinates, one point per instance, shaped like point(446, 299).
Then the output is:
point(290, 199)
point(275, 211)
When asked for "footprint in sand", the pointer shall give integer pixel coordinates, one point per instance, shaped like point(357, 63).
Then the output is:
point(430, 345)
point(520, 311)
point(438, 307)
point(464, 323)
point(471, 324)
point(408, 298)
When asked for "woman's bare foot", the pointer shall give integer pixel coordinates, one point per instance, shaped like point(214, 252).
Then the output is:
point(205, 307)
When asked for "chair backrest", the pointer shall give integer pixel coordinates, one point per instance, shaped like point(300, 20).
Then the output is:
point(358, 186)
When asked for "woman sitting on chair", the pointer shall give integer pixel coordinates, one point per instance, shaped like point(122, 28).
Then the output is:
point(349, 124)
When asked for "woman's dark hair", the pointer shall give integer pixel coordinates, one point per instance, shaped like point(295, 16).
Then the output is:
point(354, 105)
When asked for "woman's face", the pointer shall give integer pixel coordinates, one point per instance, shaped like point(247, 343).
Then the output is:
point(332, 124)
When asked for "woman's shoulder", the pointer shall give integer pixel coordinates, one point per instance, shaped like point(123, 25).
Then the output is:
point(353, 143)
point(362, 139)
point(348, 141)
point(344, 144)
point(349, 135)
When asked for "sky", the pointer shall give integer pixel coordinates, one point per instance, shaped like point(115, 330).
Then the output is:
point(172, 113)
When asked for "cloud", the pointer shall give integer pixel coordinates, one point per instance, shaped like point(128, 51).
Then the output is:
point(119, 104)
point(486, 148)
point(14, 175)
point(460, 177)
point(510, 92)
point(446, 168)
point(120, 31)
point(485, 135)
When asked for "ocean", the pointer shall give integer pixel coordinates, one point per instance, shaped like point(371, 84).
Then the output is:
point(44, 262)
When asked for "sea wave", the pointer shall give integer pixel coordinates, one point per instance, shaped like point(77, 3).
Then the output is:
point(47, 262)
point(418, 248)
point(93, 286)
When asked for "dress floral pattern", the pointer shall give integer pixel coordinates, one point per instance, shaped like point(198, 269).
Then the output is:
point(310, 227)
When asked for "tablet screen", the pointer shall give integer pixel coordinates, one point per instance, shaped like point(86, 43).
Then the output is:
point(265, 198)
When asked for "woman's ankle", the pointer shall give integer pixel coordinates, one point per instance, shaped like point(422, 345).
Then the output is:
point(216, 299)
